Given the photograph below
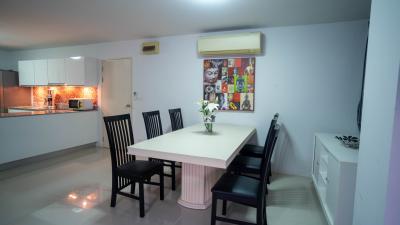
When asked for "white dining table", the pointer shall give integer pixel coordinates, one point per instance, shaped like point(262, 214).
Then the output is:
point(203, 155)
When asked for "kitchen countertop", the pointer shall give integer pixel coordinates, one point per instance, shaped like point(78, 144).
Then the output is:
point(41, 112)
point(32, 108)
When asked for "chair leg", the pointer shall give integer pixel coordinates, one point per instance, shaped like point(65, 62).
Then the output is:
point(133, 187)
point(113, 199)
point(161, 184)
point(173, 176)
point(260, 218)
point(265, 216)
point(213, 210)
point(114, 193)
point(224, 207)
point(141, 198)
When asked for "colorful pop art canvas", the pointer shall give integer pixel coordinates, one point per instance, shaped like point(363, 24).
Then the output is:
point(230, 83)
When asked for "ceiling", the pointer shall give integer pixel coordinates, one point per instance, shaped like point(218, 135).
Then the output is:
point(50, 23)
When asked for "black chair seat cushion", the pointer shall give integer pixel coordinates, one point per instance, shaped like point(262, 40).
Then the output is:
point(237, 188)
point(139, 169)
point(246, 164)
point(252, 150)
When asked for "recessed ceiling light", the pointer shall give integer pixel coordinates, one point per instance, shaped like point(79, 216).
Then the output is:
point(75, 57)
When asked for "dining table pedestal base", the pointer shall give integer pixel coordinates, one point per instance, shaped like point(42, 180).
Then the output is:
point(197, 182)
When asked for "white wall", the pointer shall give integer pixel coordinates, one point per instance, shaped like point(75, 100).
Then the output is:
point(392, 215)
point(310, 74)
point(377, 188)
point(7, 60)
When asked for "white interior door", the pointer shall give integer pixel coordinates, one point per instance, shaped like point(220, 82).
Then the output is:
point(116, 89)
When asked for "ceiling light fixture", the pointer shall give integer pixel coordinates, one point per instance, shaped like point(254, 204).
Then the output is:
point(75, 57)
point(209, 1)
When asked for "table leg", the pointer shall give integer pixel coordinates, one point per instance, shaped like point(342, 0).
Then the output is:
point(197, 182)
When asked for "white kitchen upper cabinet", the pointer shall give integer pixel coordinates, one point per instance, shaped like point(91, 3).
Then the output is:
point(92, 70)
point(32, 72)
point(40, 70)
point(82, 71)
point(56, 71)
point(26, 73)
point(75, 71)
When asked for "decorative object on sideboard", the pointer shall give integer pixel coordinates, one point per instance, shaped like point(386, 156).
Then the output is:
point(349, 141)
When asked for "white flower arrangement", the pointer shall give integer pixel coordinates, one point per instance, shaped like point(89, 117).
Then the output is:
point(208, 111)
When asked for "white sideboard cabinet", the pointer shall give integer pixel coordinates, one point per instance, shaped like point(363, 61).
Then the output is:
point(334, 176)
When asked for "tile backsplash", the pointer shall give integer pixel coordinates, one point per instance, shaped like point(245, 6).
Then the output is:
point(63, 93)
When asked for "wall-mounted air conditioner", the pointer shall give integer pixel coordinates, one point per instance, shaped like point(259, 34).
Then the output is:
point(230, 44)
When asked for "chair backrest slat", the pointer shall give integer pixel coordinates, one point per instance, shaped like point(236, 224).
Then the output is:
point(152, 122)
point(176, 119)
point(120, 136)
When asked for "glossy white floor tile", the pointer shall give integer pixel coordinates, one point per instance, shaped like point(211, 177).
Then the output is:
point(75, 189)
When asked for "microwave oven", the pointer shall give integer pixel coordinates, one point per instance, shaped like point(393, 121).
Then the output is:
point(80, 103)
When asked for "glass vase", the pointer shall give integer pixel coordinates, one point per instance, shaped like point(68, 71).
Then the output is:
point(209, 126)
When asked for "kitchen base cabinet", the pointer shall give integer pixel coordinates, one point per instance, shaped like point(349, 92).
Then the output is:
point(27, 136)
point(334, 177)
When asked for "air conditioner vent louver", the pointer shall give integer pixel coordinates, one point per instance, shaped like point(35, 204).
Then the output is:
point(150, 48)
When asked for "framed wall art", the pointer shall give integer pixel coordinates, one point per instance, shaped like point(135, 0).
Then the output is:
point(230, 83)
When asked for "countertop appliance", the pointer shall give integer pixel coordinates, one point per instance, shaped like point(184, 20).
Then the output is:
point(10, 93)
point(80, 103)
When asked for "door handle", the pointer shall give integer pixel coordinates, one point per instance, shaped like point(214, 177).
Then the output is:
point(128, 105)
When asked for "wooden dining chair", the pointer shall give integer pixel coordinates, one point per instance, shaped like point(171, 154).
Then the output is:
point(176, 124)
point(257, 151)
point(252, 166)
point(176, 119)
point(243, 190)
point(126, 170)
point(152, 122)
